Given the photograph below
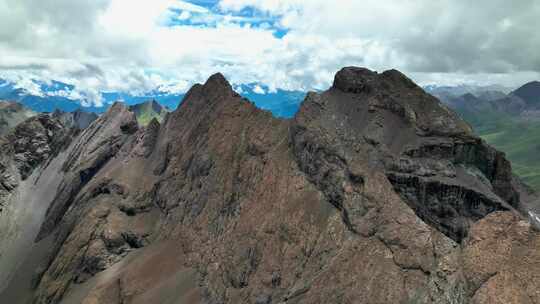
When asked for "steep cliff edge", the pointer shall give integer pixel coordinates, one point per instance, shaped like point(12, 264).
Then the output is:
point(25, 151)
point(373, 193)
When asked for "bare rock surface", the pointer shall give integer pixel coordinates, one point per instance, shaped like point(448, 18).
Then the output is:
point(77, 119)
point(27, 146)
point(12, 114)
point(374, 193)
point(30, 155)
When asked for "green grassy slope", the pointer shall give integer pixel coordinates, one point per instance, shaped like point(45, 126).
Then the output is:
point(145, 117)
point(519, 139)
point(147, 111)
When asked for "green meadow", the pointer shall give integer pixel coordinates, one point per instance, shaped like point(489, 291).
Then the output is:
point(519, 139)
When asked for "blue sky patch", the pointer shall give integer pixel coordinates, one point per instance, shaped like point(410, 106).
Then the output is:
point(247, 17)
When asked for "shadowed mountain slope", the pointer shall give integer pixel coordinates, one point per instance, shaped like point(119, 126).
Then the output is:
point(530, 93)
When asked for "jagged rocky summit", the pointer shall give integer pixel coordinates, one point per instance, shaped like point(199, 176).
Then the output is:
point(374, 192)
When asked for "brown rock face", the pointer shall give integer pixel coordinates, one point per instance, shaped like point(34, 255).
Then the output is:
point(501, 259)
point(373, 193)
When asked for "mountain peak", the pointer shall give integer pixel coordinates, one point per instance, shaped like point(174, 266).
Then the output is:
point(215, 90)
point(218, 82)
point(396, 93)
point(469, 97)
point(353, 79)
point(117, 106)
point(358, 79)
point(529, 92)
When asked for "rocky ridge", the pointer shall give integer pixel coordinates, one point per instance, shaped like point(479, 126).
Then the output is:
point(11, 114)
point(374, 193)
point(76, 120)
point(27, 146)
point(521, 103)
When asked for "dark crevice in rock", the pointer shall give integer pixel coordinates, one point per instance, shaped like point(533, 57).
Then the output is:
point(472, 151)
point(402, 266)
point(133, 240)
point(450, 209)
point(244, 265)
point(482, 283)
point(129, 127)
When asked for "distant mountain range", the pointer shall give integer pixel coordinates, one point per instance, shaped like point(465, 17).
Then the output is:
point(523, 102)
point(149, 110)
point(55, 96)
point(507, 119)
point(281, 103)
point(530, 93)
point(445, 92)
point(49, 98)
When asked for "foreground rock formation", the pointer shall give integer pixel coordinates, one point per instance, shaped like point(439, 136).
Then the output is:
point(374, 193)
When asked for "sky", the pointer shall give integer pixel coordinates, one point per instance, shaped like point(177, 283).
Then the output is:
point(140, 45)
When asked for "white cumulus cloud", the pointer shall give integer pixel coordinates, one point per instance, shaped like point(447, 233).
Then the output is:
point(139, 45)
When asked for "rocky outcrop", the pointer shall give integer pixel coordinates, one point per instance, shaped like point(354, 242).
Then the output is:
point(28, 143)
point(8, 182)
point(26, 147)
point(447, 175)
point(373, 193)
point(78, 119)
point(35, 141)
point(501, 260)
point(12, 114)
